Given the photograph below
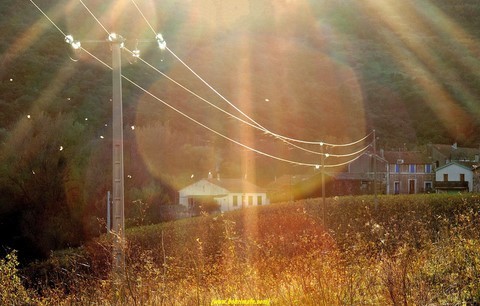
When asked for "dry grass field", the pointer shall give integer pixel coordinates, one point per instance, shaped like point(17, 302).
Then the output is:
point(410, 250)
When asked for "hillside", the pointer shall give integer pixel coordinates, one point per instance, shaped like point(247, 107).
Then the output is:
point(282, 253)
point(316, 70)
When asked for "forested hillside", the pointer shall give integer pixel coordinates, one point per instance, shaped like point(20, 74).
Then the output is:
point(316, 70)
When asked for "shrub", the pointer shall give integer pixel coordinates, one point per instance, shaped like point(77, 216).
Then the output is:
point(12, 291)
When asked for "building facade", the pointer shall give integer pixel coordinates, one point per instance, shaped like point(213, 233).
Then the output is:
point(228, 194)
point(454, 177)
point(409, 172)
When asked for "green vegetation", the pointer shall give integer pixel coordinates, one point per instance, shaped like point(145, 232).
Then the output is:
point(412, 250)
point(12, 291)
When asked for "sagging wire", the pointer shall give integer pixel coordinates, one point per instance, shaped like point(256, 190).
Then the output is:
point(279, 136)
point(230, 114)
point(69, 39)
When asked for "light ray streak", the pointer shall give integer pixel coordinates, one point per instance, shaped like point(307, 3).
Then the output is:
point(238, 109)
point(98, 21)
point(196, 121)
point(48, 18)
point(94, 17)
point(420, 60)
point(242, 120)
point(144, 18)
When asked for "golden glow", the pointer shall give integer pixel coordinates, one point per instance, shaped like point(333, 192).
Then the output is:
point(32, 35)
point(243, 94)
point(406, 19)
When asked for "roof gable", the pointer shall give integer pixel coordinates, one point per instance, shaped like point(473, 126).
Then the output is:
point(229, 185)
point(456, 153)
point(451, 164)
point(237, 185)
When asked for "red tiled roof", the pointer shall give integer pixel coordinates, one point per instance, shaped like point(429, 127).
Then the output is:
point(408, 157)
point(237, 185)
point(456, 153)
point(287, 180)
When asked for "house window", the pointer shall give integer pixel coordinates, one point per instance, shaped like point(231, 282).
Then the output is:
point(235, 201)
point(462, 177)
point(396, 187)
point(412, 168)
point(243, 200)
point(445, 177)
point(250, 200)
point(259, 200)
point(397, 168)
point(428, 168)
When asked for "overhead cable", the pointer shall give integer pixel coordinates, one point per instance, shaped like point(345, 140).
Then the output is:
point(162, 45)
point(94, 17)
point(137, 56)
point(201, 124)
point(46, 16)
point(187, 116)
point(239, 110)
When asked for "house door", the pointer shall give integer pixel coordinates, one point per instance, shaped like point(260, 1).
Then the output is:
point(396, 187)
point(411, 186)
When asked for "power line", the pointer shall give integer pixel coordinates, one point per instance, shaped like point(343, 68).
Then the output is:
point(94, 17)
point(46, 16)
point(232, 115)
point(158, 36)
point(117, 140)
point(188, 90)
point(258, 124)
point(201, 124)
point(144, 18)
point(213, 130)
point(162, 44)
point(191, 118)
point(342, 164)
point(239, 110)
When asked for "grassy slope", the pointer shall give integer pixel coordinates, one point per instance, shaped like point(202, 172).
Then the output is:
point(415, 249)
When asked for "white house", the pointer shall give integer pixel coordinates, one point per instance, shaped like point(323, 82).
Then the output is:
point(230, 194)
point(454, 177)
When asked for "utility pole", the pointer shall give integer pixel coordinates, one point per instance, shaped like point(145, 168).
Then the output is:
point(375, 200)
point(322, 154)
point(116, 43)
point(109, 226)
point(117, 197)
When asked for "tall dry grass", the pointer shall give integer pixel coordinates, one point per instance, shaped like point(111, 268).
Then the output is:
point(415, 250)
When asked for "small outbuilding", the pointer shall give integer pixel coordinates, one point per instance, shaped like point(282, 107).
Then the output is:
point(228, 194)
point(454, 177)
